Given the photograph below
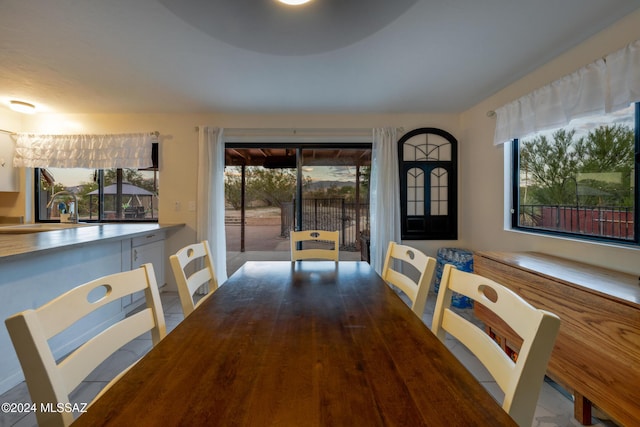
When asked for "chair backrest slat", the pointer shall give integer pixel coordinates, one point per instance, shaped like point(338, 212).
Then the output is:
point(56, 317)
point(92, 353)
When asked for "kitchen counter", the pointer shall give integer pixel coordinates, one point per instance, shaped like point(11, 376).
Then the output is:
point(30, 244)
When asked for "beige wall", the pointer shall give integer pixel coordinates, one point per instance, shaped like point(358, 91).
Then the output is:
point(481, 201)
point(482, 165)
point(12, 204)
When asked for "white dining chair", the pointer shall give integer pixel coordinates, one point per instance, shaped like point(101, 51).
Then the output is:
point(315, 238)
point(417, 291)
point(50, 381)
point(520, 380)
point(193, 269)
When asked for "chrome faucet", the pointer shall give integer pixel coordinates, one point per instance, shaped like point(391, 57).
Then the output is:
point(74, 217)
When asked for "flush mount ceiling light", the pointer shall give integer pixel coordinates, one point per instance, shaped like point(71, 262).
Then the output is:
point(278, 29)
point(22, 107)
point(294, 2)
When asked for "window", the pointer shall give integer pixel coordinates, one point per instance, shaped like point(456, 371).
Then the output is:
point(580, 180)
point(102, 195)
point(428, 184)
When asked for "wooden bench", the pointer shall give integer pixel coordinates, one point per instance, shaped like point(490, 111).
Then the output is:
point(597, 352)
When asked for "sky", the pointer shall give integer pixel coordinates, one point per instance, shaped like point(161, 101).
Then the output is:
point(585, 124)
point(330, 173)
point(71, 177)
point(74, 177)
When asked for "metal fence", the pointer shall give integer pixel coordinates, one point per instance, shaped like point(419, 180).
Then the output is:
point(329, 214)
point(602, 221)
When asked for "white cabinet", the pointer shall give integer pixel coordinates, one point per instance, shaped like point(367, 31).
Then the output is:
point(8, 174)
point(146, 249)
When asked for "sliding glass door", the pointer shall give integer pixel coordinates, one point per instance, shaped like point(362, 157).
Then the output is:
point(272, 189)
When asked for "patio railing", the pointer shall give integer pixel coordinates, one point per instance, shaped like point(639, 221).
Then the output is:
point(601, 221)
point(329, 214)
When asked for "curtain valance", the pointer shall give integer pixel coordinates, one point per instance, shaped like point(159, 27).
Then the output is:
point(603, 86)
point(131, 150)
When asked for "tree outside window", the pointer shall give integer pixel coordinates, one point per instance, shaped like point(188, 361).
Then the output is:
point(580, 179)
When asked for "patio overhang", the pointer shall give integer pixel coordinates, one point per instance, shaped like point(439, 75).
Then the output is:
point(284, 157)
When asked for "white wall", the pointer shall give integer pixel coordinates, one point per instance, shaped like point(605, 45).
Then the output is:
point(482, 164)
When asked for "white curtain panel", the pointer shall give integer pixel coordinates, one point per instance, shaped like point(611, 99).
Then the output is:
point(210, 193)
point(623, 77)
point(84, 151)
point(603, 86)
point(384, 194)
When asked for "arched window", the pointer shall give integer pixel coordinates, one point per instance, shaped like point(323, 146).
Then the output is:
point(428, 185)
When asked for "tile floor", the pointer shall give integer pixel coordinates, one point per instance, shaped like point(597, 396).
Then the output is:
point(554, 407)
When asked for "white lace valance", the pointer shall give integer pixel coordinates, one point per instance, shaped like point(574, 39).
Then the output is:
point(603, 86)
point(84, 151)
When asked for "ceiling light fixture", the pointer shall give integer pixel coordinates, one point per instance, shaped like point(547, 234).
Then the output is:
point(294, 2)
point(22, 107)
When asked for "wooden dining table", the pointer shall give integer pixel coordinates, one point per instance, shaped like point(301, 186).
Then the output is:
point(310, 343)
